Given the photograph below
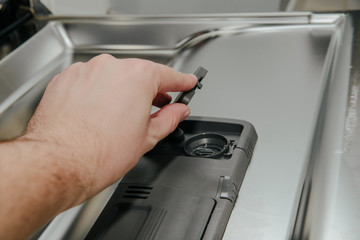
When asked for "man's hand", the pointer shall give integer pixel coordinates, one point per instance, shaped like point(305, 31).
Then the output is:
point(92, 125)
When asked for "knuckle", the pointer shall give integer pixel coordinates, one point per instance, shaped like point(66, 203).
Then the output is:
point(147, 69)
point(139, 63)
point(101, 59)
point(73, 67)
point(152, 141)
point(77, 65)
point(104, 57)
point(144, 66)
point(69, 71)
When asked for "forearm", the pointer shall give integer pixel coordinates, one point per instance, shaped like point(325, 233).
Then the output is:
point(37, 182)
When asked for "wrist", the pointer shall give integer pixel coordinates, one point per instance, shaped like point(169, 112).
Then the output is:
point(39, 182)
point(58, 169)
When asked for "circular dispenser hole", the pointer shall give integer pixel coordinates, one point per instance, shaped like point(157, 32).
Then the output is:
point(208, 145)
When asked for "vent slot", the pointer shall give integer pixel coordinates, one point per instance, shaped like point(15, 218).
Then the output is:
point(136, 196)
point(140, 187)
point(138, 192)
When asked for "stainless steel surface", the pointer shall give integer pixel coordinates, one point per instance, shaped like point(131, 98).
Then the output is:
point(190, 6)
point(335, 210)
point(94, 7)
point(325, 5)
point(287, 74)
point(27, 70)
point(326, 201)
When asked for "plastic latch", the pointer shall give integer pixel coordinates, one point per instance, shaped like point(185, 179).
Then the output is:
point(230, 148)
point(228, 189)
point(185, 97)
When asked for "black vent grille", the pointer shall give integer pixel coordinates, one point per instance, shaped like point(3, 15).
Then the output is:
point(138, 191)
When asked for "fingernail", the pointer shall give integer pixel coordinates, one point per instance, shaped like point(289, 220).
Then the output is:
point(192, 76)
point(185, 115)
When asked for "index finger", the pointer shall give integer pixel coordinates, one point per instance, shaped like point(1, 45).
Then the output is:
point(170, 80)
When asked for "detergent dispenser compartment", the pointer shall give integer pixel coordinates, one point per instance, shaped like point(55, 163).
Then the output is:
point(185, 188)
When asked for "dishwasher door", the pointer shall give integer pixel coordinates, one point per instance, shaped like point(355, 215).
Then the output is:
point(286, 73)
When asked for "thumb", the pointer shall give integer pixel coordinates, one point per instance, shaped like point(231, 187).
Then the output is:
point(165, 121)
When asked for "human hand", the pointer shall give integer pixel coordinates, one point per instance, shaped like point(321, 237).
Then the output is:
point(98, 115)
